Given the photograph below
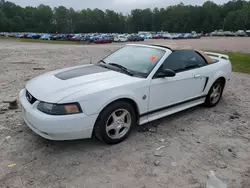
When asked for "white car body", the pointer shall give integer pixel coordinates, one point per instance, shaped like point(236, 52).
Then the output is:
point(154, 98)
point(120, 38)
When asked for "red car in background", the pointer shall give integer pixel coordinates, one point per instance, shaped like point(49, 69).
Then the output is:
point(102, 40)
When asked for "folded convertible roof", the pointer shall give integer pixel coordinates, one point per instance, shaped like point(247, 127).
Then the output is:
point(203, 54)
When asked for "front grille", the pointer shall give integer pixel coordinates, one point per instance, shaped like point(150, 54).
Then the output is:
point(30, 98)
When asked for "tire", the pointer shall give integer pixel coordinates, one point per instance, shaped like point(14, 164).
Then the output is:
point(213, 98)
point(111, 131)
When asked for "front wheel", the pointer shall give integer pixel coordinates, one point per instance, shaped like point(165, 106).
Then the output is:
point(214, 94)
point(115, 122)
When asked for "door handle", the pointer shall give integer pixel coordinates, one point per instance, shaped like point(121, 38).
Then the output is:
point(197, 76)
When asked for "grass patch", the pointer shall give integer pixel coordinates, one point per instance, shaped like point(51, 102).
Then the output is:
point(240, 61)
point(40, 41)
point(8, 38)
point(48, 41)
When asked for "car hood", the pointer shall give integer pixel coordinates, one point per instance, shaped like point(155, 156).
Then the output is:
point(54, 86)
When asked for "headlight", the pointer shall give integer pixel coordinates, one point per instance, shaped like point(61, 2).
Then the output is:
point(59, 109)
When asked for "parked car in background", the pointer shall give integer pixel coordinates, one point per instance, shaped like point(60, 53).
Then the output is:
point(18, 35)
point(111, 37)
point(57, 36)
point(25, 36)
point(33, 36)
point(116, 37)
point(220, 33)
point(120, 38)
point(54, 37)
point(248, 33)
point(187, 36)
point(157, 36)
point(146, 35)
point(92, 38)
point(76, 37)
point(176, 36)
point(102, 40)
point(182, 36)
point(241, 33)
point(196, 36)
point(67, 37)
point(214, 33)
point(46, 37)
point(135, 38)
point(167, 36)
point(229, 34)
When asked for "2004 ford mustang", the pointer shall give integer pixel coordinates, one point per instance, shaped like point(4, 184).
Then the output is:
point(134, 85)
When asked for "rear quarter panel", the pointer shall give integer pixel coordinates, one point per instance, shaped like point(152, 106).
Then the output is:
point(222, 68)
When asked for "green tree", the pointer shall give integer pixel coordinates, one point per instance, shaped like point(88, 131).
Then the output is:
point(232, 15)
point(61, 19)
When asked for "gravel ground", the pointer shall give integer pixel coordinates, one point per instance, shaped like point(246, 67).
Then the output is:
point(195, 141)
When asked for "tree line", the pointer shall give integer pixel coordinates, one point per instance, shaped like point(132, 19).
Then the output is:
point(233, 15)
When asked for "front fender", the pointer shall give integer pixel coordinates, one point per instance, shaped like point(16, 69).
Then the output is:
point(95, 103)
point(112, 98)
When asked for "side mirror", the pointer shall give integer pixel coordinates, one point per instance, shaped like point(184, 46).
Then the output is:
point(166, 73)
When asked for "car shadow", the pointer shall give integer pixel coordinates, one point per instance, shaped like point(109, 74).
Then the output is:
point(149, 127)
point(93, 143)
point(70, 145)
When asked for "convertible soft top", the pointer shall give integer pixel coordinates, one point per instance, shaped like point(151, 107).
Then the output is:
point(203, 54)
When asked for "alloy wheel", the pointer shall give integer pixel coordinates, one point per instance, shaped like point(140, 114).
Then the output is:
point(118, 124)
point(216, 93)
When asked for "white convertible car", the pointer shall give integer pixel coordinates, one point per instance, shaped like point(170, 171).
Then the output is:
point(134, 85)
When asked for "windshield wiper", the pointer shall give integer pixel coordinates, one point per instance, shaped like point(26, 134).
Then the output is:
point(102, 61)
point(122, 68)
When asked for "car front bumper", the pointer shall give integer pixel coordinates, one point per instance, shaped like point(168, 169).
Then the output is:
point(66, 127)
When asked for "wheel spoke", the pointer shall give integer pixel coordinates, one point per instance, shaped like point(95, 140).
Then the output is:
point(212, 95)
point(217, 88)
point(212, 99)
point(215, 95)
point(115, 117)
point(110, 127)
point(116, 135)
point(126, 125)
point(123, 115)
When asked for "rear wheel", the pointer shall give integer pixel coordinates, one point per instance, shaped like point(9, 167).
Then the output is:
point(214, 94)
point(115, 122)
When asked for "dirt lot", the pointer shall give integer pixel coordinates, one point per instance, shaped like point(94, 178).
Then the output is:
point(196, 141)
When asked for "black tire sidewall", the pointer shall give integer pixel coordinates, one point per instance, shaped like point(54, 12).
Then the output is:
point(100, 126)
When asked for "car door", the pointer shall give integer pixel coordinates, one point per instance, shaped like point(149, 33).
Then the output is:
point(187, 84)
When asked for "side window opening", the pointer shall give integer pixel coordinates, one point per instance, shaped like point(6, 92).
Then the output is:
point(201, 60)
point(182, 60)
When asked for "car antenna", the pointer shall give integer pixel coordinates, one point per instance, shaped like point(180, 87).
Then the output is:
point(90, 58)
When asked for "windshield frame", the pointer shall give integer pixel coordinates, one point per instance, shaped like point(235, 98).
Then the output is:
point(135, 73)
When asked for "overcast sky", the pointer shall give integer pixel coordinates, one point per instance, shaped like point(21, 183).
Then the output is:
point(117, 5)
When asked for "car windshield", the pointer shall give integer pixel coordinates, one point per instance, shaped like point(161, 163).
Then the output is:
point(138, 59)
